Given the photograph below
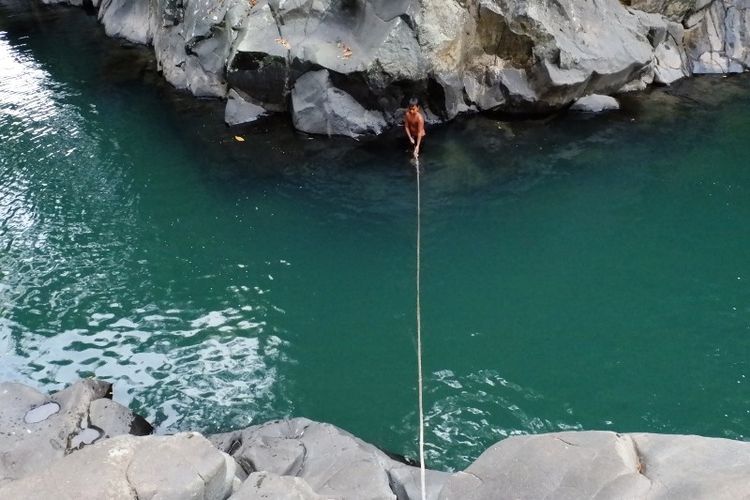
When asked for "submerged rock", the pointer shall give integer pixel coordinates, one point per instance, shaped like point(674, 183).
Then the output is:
point(595, 104)
point(241, 110)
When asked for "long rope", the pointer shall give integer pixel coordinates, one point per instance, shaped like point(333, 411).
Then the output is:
point(420, 385)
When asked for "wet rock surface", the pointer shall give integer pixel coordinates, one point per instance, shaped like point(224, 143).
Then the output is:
point(240, 109)
point(306, 460)
point(595, 104)
point(348, 68)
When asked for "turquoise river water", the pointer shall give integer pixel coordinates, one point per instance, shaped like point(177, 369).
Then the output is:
point(579, 272)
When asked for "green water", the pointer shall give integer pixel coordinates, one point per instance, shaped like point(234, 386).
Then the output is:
point(579, 273)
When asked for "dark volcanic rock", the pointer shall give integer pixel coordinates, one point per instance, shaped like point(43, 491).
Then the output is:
point(240, 109)
point(458, 56)
point(320, 108)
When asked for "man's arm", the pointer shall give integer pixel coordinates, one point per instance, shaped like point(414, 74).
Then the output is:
point(419, 135)
point(408, 132)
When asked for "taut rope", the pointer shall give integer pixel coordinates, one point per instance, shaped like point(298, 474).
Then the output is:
point(420, 385)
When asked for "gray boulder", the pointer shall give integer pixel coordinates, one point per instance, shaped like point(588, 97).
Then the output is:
point(320, 108)
point(113, 419)
point(132, 468)
point(595, 104)
point(694, 467)
point(40, 429)
point(369, 43)
point(716, 33)
point(128, 19)
point(406, 482)
point(588, 465)
point(240, 109)
point(191, 44)
point(266, 485)
point(331, 461)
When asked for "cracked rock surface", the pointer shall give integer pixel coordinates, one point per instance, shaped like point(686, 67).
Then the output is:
point(183, 466)
point(603, 465)
point(332, 462)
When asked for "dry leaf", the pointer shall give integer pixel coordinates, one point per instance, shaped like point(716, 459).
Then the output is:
point(239, 138)
point(283, 43)
point(347, 52)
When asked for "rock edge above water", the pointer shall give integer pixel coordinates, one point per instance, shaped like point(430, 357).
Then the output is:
point(43, 456)
point(348, 68)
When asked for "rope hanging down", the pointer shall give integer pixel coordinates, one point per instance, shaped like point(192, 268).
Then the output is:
point(419, 337)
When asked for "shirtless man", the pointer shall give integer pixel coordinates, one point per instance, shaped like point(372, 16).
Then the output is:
point(414, 125)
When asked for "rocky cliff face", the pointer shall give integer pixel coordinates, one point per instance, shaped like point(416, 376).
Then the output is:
point(348, 66)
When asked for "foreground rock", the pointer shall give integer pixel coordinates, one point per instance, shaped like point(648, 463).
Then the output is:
point(348, 68)
point(132, 468)
point(581, 465)
point(36, 430)
point(329, 460)
point(306, 460)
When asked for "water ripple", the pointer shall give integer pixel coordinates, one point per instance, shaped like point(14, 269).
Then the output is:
point(466, 414)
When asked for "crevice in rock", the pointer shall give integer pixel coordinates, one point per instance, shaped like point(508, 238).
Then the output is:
point(247, 465)
point(566, 442)
point(691, 13)
point(472, 475)
point(502, 40)
point(133, 491)
point(279, 20)
point(640, 462)
point(88, 8)
point(392, 486)
point(235, 445)
point(302, 464)
point(436, 97)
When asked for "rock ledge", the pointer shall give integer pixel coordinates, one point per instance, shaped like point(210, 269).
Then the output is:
point(41, 457)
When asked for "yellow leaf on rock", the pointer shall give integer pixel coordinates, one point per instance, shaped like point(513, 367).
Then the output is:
point(284, 43)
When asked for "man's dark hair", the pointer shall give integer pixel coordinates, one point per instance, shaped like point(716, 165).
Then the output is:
point(413, 102)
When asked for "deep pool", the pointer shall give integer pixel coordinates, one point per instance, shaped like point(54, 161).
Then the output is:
point(579, 272)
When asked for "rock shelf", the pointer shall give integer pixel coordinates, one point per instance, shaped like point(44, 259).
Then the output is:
point(45, 457)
